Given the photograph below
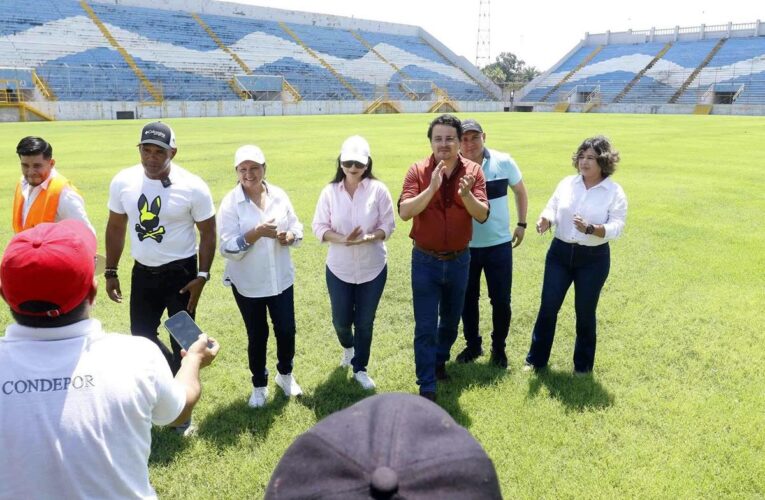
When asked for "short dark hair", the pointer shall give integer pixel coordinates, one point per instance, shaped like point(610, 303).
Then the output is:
point(607, 157)
point(340, 175)
point(79, 313)
point(33, 146)
point(448, 120)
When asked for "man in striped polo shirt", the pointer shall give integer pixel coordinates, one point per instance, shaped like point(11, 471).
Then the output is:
point(491, 248)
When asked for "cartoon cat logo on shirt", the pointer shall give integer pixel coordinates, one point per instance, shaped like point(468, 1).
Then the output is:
point(148, 226)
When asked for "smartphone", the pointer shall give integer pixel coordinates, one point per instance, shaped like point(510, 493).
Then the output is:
point(183, 329)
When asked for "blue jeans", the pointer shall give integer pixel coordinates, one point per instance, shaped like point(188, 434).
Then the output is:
point(355, 304)
point(496, 262)
point(588, 268)
point(282, 310)
point(438, 292)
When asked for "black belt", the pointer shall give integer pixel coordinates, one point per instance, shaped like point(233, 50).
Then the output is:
point(441, 255)
point(176, 265)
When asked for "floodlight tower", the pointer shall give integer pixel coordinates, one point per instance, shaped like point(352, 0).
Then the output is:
point(483, 40)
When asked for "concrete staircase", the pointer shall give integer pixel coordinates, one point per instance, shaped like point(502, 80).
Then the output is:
point(150, 87)
point(219, 43)
point(321, 60)
point(571, 73)
point(371, 49)
point(642, 72)
point(692, 76)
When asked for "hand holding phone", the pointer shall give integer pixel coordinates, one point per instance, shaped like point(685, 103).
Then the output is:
point(183, 329)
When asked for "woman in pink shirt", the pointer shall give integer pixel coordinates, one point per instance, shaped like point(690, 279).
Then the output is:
point(354, 215)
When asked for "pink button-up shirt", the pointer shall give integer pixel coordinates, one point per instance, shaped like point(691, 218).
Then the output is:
point(371, 208)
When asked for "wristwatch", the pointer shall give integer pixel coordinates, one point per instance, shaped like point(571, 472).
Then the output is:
point(523, 224)
point(203, 274)
point(590, 229)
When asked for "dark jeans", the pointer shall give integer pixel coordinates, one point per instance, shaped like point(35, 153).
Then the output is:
point(154, 289)
point(496, 262)
point(355, 304)
point(281, 308)
point(588, 268)
point(438, 292)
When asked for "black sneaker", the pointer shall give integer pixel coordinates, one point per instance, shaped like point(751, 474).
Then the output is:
point(430, 396)
point(498, 359)
point(441, 372)
point(469, 354)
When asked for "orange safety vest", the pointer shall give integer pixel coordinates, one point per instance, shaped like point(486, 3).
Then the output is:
point(44, 207)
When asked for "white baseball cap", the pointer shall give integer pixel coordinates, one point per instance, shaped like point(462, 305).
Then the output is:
point(251, 153)
point(355, 148)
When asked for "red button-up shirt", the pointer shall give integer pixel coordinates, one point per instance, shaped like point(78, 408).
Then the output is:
point(445, 225)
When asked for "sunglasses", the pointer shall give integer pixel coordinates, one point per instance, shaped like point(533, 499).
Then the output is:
point(357, 164)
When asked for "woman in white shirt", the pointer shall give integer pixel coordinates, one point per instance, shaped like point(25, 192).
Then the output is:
point(257, 226)
point(588, 210)
point(354, 215)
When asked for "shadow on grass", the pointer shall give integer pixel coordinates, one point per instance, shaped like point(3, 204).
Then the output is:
point(576, 393)
point(165, 444)
point(338, 391)
point(461, 377)
point(224, 427)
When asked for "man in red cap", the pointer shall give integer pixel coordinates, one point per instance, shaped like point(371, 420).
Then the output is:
point(77, 404)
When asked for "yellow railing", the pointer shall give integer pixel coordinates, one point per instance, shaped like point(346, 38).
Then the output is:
point(43, 87)
point(286, 87)
point(155, 94)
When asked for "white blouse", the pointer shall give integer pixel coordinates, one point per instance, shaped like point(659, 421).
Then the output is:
point(603, 204)
point(263, 268)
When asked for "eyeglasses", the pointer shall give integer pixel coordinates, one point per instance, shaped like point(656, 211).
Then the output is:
point(350, 164)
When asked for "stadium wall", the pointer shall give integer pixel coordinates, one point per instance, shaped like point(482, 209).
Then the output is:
point(107, 110)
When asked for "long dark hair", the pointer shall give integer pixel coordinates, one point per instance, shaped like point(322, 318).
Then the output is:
point(340, 175)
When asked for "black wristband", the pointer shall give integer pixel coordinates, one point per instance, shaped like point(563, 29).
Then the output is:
point(110, 273)
point(524, 225)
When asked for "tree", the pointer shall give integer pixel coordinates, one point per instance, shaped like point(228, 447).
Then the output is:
point(508, 69)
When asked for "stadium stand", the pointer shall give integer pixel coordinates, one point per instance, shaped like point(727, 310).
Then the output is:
point(133, 51)
point(690, 67)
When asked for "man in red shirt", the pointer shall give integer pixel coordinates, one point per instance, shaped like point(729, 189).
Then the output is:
point(443, 193)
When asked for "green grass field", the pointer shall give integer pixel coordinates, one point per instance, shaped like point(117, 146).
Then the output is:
point(677, 404)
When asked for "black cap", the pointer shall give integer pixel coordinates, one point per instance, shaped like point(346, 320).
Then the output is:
point(385, 446)
point(471, 126)
point(159, 134)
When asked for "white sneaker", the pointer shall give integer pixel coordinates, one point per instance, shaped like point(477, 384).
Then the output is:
point(186, 429)
point(288, 385)
point(258, 397)
point(364, 380)
point(348, 354)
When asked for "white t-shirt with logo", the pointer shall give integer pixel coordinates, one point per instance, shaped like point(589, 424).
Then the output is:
point(76, 409)
point(161, 219)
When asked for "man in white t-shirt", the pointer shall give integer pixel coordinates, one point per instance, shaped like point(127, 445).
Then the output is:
point(77, 404)
point(159, 204)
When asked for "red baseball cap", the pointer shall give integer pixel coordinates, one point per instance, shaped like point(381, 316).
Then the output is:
point(50, 263)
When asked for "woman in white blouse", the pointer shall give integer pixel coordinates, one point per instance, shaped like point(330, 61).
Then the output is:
point(354, 215)
point(588, 210)
point(257, 226)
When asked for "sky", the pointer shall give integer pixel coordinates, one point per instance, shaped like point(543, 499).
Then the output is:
point(538, 32)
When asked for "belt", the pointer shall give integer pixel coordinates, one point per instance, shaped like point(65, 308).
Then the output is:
point(176, 265)
point(441, 255)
